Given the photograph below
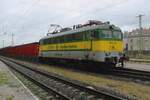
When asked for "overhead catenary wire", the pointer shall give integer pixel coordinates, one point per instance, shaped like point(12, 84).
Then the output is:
point(27, 10)
point(25, 13)
point(16, 22)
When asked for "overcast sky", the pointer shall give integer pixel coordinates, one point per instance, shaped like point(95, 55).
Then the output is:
point(29, 20)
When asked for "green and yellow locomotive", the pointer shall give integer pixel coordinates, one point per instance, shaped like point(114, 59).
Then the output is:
point(94, 41)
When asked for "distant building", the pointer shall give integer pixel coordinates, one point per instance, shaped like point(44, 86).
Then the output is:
point(135, 41)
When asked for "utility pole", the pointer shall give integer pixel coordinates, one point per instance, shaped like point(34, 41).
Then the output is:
point(140, 33)
point(12, 39)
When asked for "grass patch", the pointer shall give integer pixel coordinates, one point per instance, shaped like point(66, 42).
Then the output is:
point(10, 97)
point(3, 78)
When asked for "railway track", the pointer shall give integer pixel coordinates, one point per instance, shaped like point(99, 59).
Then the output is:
point(130, 73)
point(63, 88)
point(135, 75)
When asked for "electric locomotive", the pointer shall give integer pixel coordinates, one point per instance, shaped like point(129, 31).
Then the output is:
point(94, 41)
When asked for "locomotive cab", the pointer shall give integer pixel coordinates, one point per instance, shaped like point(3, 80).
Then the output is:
point(107, 45)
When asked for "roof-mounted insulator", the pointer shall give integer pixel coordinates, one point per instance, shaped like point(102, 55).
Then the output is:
point(107, 22)
point(65, 29)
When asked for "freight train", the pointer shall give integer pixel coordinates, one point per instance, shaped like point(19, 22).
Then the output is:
point(94, 41)
point(26, 51)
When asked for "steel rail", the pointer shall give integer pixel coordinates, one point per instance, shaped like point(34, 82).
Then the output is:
point(131, 73)
point(92, 91)
point(40, 84)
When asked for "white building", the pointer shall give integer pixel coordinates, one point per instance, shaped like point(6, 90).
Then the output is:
point(135, 41)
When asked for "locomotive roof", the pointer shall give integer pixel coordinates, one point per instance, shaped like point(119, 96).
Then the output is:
point(81, 29)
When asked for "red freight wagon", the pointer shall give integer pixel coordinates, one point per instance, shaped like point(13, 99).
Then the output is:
point(25, 51)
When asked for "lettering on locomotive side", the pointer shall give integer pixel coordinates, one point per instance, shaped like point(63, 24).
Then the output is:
point(51, 47)
point(68, 46)
point(112, 42)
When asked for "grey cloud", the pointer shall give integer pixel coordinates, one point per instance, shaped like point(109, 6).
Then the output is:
point(30, 19)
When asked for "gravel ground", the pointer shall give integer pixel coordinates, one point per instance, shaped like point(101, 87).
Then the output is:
point(11, 88)
point(126, 87)
point(132, 89)
point(39, 92)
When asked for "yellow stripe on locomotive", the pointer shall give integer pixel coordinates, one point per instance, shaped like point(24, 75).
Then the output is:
point(98, 46)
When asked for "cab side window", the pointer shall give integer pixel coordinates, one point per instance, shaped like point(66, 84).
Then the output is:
point(95, 34)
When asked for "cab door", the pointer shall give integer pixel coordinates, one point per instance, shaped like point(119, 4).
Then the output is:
point(92, 38)
point(87, 44)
